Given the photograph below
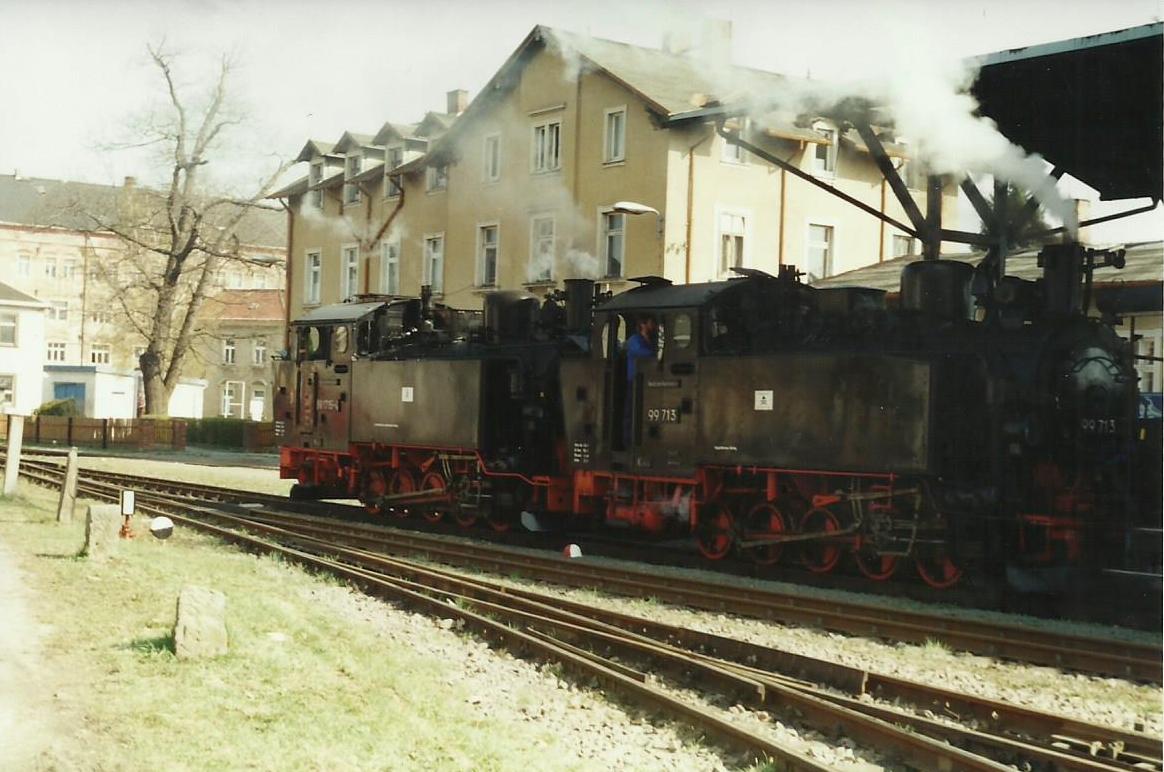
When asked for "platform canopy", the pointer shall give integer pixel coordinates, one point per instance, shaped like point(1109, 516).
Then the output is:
point(1091, 105)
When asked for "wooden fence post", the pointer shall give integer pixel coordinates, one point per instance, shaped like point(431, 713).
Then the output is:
point(104, 433)
point(68, 498)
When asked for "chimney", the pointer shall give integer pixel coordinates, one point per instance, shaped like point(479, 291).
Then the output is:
point(456, 101)
point(130, 182)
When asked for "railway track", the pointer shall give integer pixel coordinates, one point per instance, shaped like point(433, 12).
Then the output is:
point(828, 697)
point(1134, 661)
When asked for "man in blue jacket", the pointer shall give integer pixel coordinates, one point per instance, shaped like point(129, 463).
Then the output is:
point(641, 345)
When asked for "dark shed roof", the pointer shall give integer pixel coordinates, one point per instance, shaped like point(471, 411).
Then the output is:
point(651, 297)
point(338, 312)
point(1092, 105)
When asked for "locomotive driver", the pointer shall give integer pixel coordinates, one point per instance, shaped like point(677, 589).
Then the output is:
point(642, 345)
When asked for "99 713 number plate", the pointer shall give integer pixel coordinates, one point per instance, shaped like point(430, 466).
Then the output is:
point(663, 415)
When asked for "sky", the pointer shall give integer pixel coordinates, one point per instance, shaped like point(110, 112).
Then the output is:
point(76, 80)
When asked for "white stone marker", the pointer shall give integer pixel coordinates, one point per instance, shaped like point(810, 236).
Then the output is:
point(12, 461)
point(68, 500)
point(200, 628)
point(102, 522)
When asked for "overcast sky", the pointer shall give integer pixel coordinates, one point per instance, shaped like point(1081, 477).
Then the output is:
point(73, 75)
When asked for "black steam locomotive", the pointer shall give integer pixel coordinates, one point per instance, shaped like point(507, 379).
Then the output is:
point(964, 423)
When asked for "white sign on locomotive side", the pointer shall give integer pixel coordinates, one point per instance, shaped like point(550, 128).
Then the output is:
point(405, 393)
point(763, 399)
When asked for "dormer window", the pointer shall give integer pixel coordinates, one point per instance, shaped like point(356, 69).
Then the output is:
point(393, 157)
point(824, 154)
point(352, 167)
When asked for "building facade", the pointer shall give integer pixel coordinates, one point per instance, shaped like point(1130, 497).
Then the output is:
point(53, 252)
point(235, 358)
point(22, 350)
point(522, 188)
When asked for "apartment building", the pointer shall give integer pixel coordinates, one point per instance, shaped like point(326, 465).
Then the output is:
point(52, 250)
point(527, 184)
point(235, 358)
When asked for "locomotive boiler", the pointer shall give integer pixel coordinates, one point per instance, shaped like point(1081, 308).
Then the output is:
point(960, 425)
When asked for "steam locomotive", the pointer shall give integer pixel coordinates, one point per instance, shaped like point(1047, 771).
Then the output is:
point(969, 423)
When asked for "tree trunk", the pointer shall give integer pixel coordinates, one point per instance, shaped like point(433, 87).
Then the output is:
point(157, 394)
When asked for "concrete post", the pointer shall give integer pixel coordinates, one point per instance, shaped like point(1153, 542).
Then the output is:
point(12, 463)
point(68, 498)
point(102, 522)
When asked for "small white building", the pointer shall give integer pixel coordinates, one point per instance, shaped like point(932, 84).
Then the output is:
point(22, 350)
point(101, 391)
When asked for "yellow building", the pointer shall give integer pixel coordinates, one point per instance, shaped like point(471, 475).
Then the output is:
point(518, 189)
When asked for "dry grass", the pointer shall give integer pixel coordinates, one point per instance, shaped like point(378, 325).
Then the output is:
point(261, 480)
point(302, 688)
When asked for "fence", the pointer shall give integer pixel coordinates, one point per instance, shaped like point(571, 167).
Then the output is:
point(103, 432)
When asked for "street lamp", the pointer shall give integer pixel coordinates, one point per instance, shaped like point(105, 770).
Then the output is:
point(635, 208)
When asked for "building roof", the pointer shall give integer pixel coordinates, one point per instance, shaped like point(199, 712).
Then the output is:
point(84, 206)
point(1144, 262)
point(247, 305)
point(351, 140)
point(315, 147)
point(390, 131)
point(12, 296)
point(1092, 105)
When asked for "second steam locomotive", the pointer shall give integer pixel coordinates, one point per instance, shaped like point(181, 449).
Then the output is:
point(966, 425)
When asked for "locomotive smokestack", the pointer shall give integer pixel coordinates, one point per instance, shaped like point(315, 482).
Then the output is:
point(579, 304)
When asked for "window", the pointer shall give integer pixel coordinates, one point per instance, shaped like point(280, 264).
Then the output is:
point(824, 156)
point(311, 279)
point(546, 147)
point(60, 310)
point(492, 158)
point(818, 257)
point(732, 229)
point(732, 153)
point(1148, 369)
point(352, 167)
point(613, 228)
point(436, 177)
point(7, 389)
point(393, 158)
point(259, 352)
point(56, 352)
point(390, 267)
point(902, 245)
point(314, 178)
point(350, 272)
point(102, 316)
point(487, 246)
point(434, 262)
point(232, 397)
point(681, 330)
point(7, 328)
point(541, 248)
point(229, 351)
point(68, 268)
point(24, 265)
point(99, 354)
point(615, 141)
point(258, 401)
point(50, 267)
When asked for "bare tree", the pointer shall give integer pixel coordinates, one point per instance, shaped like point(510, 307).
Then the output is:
point(176, 238)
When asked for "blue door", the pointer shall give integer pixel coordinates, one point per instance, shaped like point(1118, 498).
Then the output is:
point(73, 391)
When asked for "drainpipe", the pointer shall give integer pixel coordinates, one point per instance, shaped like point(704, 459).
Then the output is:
point(691, 203)
point(290, 264)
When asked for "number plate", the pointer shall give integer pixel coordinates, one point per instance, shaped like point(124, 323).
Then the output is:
point(663, 415)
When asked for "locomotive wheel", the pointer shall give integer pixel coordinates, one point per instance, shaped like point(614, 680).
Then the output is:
point(874, 565)
point(715, 534)
point(432, 481)
point(820, 557)
point(938, 571)
point(764, 519)
point(375, 486)
point(402, 481)
point(500, 521)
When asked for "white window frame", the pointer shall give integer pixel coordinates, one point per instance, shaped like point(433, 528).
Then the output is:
point(56, 351)
point(50, 268)
point(392, 184)
point(436, 178)
point(100, 354)
point(537, 243)
point(896, 239)
point(314, 179)
point(483, 257)
point(8, 394)
point(312, 276)
point(68, 268)
point(226, 406)
point(60, 310)
point(1149, 371)
point(349, 270)
point(745, 258)
point(390, 266)
point(9, 320)
point(259, 352)
point(830, 258)
point(491, 157)
point(731, 153)
point(434, 262)
point(545, 154)
point(229, 351)
point(353, 165)
point(24, 265)
point(604, 243)
point(261, 388)
point(614, 145)
point(827, 166)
